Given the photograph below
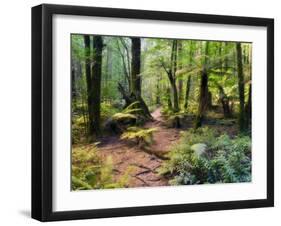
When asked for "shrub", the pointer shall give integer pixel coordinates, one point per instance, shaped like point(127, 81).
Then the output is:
point(203, 157)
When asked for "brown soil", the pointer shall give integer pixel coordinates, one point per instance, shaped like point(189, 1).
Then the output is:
point(143, 163)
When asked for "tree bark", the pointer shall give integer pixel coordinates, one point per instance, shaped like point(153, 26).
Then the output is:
point(169, 102)
point(225, 102)
point(188, 83)
point(180, 78)
point(87, 54)
point(125, 68)
point(135, 77)
point(171, 73)
point(240, 87)
point(158, 91)
point(96, 82)
point(248, 108)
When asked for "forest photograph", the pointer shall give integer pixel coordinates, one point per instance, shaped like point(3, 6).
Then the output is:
point(149, 112)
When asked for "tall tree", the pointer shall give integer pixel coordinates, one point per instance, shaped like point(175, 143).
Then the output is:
point(240, 87)
point(136, 64)
point(93, 80)
point(203, 98)
point(96, 82)
point(126, 65)
point(188, 81)
point(171, 73)
point(179, 67)
point(187, 91)
point(248, 108)
point(87, 54)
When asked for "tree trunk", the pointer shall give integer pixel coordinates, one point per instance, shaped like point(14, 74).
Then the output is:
point(173, 75)
point(210, 100)
point(180, 78)
point(248, 108)
point(203, 98)
point(87, 53)
point(125, 68)
point(240, 87)
point(96, 82)
point(225, 102)
point(158, 91)
point(135, 77)
point(188, 83)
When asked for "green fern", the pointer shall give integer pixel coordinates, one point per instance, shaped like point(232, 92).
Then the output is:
point(143, 137)
point(90, 172)
point(130, 112)
point(203, 157)
point(123, 116)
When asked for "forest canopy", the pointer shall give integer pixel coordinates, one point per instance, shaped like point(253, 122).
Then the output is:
point(156, 111)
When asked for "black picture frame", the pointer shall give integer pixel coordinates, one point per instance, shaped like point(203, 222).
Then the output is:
point(42, 111)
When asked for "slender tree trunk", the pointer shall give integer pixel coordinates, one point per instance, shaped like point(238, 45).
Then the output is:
point(136, 64)
point(240, 87)
point(188, 83)
point(125, 68)
point(173, 75)
point(248, 108)
point(180, 78)
point(73, 81)
point(127, 55)
point(158, 92)
point(87, 53)
point(224, 101)
point(203, 98)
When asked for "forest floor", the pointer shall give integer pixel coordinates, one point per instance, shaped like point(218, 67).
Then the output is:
point(144, 164)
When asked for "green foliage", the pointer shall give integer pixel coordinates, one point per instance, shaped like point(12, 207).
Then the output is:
point(143, 137)
point(130, 112)
point(107, 110)
point(90, 172)
point(79, 129)
point(202, 157)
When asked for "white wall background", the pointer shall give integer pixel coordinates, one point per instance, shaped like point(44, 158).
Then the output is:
point(15, 113)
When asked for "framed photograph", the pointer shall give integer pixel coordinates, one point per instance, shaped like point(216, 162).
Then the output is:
point(146, 112)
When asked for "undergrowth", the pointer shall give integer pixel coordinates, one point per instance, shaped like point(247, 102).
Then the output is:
point(202, 157)
point(90, 172)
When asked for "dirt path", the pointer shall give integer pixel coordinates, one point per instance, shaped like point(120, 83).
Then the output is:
point(143, 165)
